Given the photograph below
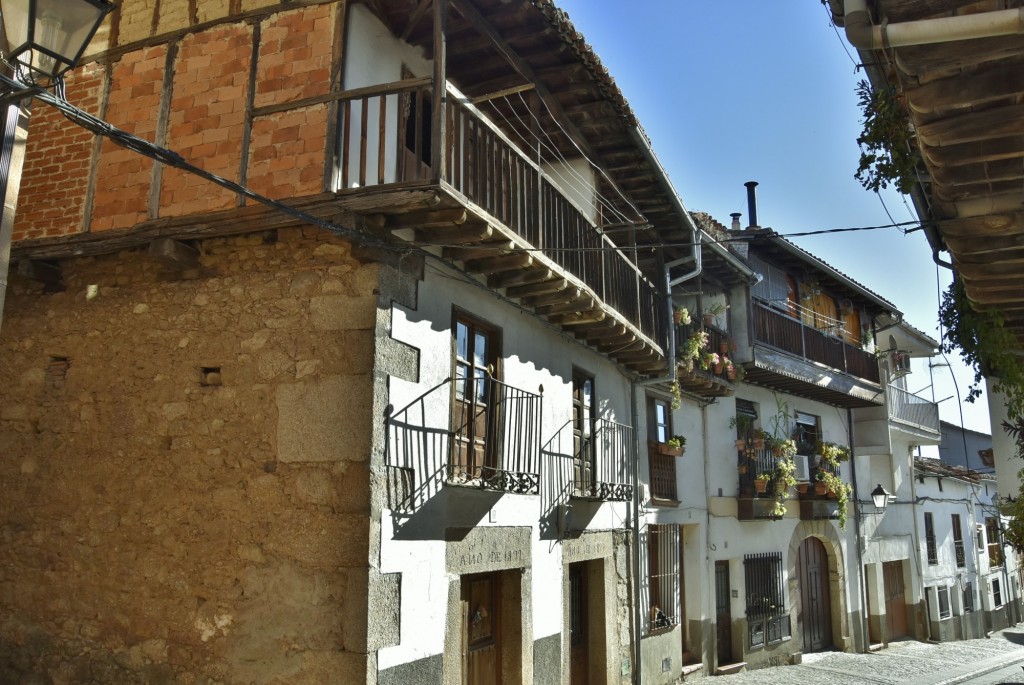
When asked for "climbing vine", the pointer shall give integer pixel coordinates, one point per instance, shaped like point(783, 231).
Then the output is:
point(886, 152)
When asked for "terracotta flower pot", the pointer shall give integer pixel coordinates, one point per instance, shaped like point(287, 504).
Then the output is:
point(761, 485)
point(709, 319)
point(718, 368)
point(731, 373)
point(820, 488)
point(802, 488)
point(677, 317)
point(723, 347)
point(741, 445)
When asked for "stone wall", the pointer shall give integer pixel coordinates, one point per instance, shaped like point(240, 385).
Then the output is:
point(184, 465)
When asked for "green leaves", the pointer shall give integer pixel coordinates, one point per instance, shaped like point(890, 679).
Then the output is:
point(886, 152)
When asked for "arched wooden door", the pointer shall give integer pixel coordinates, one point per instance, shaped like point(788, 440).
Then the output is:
point(815, 615)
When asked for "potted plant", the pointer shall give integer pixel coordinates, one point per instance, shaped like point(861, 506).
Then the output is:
point(678, 444)
point(681, 315)
point(691, 349)
point(713, 311)
point(785, 447)
point(779, 509)
point(730, 369)
point(785, 473)
point(761, 482)
point(759, 439)
point(710, 360)
point(820, 486)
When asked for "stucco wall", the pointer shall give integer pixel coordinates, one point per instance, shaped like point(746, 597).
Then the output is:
point(164, 524)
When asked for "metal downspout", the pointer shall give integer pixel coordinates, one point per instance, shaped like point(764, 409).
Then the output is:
point(634, 387)
point(865, 642)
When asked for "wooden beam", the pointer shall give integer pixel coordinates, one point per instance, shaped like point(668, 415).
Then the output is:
point(964, 128)
point(482, 251)
point(520, 65)
point(572, 307)
point(512, 262)
point(504, 92)
point(540, 288)
point(174, 253)
point(437, 218)
point(556, 297)
point(988, 172)
point(464, 235)
point(966, 247)
point(1009, 147)
point(513, 279)
point(47, 273)
point(438, 158)
point(983, 227)
point(967, 89)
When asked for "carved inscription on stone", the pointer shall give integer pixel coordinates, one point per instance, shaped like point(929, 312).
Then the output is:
point(489, 549)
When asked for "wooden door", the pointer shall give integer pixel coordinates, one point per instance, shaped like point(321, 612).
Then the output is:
point(583, 433)
point(723, 612)
point(481, 630)
point(472, 410)
point(579, 629)
point(815, 615)
point(895, 599)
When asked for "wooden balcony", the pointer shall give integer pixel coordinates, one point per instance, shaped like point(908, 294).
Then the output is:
point(486, 206)
point(793, 357)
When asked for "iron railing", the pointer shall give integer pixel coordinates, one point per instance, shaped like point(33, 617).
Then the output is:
point(385, 137)
point(912, 410)
point(662, 471)
point(610, 454)
point(778, 329)
point(961, 556)
point(488, 438)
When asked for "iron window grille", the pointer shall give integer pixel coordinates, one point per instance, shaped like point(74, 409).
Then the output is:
point(663, 576)
point(995, 547)
point(929, 539)
point(997, 593)
point(767, 618)
point(958, 542)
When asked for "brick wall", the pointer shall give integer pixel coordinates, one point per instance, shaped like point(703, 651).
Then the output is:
point(58, 159)
point(123, 177)
point(206, 120)
point(162, 525)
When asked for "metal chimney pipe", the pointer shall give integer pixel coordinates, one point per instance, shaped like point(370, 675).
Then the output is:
point(735, 221)
point(751, 203)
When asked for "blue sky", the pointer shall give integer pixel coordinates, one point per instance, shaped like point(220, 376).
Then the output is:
point(731, 92)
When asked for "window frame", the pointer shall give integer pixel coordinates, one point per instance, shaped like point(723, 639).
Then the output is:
point(959, 550)
point(931, 549)
point(993, 538)
point(942, 597)
point(763, 576)
point(997, 593)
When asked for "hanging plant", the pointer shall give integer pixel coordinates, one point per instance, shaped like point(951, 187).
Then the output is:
point(886, 150)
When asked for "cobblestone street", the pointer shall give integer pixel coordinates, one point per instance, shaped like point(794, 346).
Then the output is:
point(910, 662)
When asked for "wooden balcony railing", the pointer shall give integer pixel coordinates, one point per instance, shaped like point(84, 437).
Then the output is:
point(775, 328)
point(385, 137)
point(662, 469)
point(913, 410)
point(481, 433)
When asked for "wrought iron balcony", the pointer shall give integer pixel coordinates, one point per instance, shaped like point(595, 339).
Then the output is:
point(475, 432)
point(598, 467)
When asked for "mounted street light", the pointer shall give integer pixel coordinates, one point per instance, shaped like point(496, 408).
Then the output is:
point(45, 38)
point(880, 497)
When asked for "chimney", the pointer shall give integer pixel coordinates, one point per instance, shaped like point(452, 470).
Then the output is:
point(735, 221)
point(752, 203)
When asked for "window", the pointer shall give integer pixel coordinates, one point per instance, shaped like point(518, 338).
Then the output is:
point(662, 576)
point(767, 617)
point(662, 466)
point(807, 433)
point(958, 542)
point(968, 598)
point(583, 428)
point(943, 595)
point(995, 547)
point(997, 593)
point(473, 411)
point(929, 539)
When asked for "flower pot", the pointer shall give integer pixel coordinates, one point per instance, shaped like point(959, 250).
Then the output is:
point(718, 368)
point(820, 488)
point(742, 469)
point(723, 347)
point(709, 319)
point(731, 373)
point(760, 485)
point(741, 445)
point(758, 443)
point(780, 488)
point(802, 488)
point(670, 451)
point(677, 317)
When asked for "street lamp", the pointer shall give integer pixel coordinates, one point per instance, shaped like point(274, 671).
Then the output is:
point(45, 38)
point(880, 497)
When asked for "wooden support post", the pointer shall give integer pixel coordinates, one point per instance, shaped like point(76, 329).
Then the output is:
point(438, 158)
